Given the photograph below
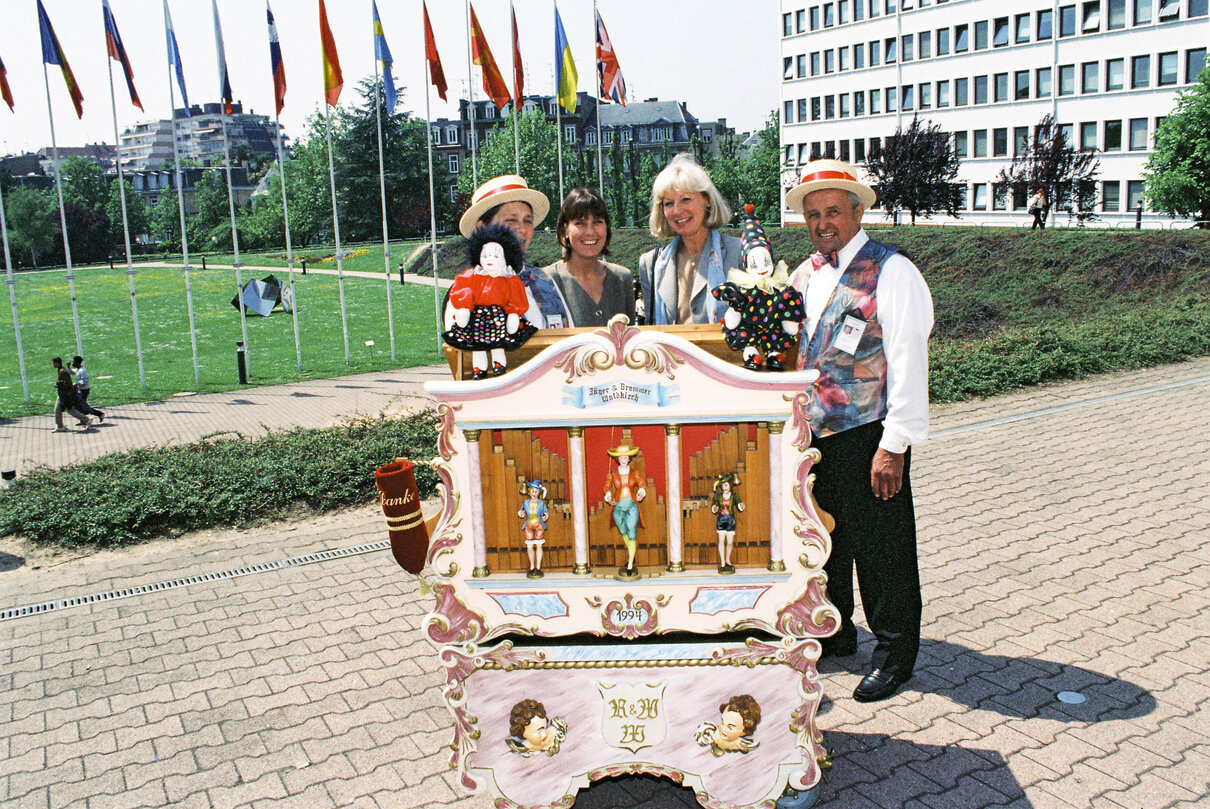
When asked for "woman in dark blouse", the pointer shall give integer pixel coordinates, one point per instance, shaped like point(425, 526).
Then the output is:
point(594, 289)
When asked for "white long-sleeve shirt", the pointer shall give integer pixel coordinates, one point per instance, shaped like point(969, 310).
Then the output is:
point(905, 311)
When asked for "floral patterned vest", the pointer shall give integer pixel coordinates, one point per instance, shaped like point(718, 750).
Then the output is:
point(851, 389)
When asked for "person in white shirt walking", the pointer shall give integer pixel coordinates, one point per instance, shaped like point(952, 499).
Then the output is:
point(83, 388)
point(869, 315)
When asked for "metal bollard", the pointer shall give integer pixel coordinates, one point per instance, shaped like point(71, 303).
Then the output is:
point(304, 266)
point(203, 262)
point(241, 362)
point(401, 278)
point(1138, 218)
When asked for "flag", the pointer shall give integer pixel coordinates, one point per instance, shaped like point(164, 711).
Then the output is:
point(383, 54)
point(5, 93)
point(481, 54)
point(613, 86)
point(567, 79)
point(224, 80)
point(436, 74)
point(334, 80)
point(174, 59)
point(518, 73)
point(52, 54)
point(279, 69)
point(113, 42)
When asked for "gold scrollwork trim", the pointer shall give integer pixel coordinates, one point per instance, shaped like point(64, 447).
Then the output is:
point(575, 432)
point(777, 566)
point(481, 572)
point(676, 567)
point(672, 429)
point(776, 427)
point(630, 664)
point(581, 569)
point(471, 435)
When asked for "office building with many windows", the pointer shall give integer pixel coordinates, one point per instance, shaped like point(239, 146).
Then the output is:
point(987, 71)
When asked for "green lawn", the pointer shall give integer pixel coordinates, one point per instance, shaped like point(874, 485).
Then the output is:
point(107, 333)
point(365, 257)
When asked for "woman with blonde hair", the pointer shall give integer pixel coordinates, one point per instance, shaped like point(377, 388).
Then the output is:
point(676, 279)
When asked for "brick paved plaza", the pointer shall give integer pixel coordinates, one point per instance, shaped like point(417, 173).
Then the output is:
point(1064, 543)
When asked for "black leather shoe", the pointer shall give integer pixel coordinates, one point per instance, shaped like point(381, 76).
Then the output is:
point(837, 647)
point(879, 684)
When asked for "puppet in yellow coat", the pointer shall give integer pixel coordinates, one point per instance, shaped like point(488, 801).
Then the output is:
point(624, 490)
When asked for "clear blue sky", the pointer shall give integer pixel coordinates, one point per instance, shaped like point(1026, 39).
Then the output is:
point(719, 56)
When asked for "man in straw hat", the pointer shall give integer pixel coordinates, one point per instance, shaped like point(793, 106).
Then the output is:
point(508, 200)
point(869, 315)
point(624, 489)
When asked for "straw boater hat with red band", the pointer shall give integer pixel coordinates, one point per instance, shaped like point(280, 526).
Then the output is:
point(820, 174)
point(497, 191)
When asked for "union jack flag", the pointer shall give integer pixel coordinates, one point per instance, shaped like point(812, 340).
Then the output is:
point(613, 86)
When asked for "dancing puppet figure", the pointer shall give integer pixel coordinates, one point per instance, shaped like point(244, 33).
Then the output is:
point(624, 490)
point(763, 314)
point(726, 504)
point(535, 514)
point(488, 301)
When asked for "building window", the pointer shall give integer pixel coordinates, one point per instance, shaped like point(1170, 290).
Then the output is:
point(802, 109)
point(1088, 135)
point(1195, 62)
point(454, 193)
point(1111, 196)
point(590, 137)
point(1134, 195)
point(1067, 21)
point(1020, 140)
point(859, 103)
point(892, 99)
point(1022, 29)
point(788, 115)
point(907, 46)
point(787, 68)
point(943, 41)
point(829, 61)
point(1117, 15)
point(964, 194)
point(859, 145)
point(1021, 79)
point(1113, 136)
point(926, 95)
point(451, 135)
point(858, 56)
point(980, 203)
point(800, 64)
point(1000, 142)
point(829, 15)
point(1170, 10)
point(875, 102)
point(1042, 83)
point(455, 166)
point(1138, 134)
point(1167, 74)
point(1066, 132)
point(875, 10)
point(905, 94)
point(829, 107)
point(569, 134)
point(1142, 12)
point(1000, 32)
point(707, 135)
point(1089, 75)
point(435, 135)
point(981, 35)
point(1045, 24)
point(999, 197)
point(844, 151)
point(980, 89)
point(961, 38)
point(875, 50)
point(842, 11)
point(889, 51)
point(489, 112)
point(925, 40)
point(815, 63)
point(960, 92)
point(829, 149)
point(1092, 17)
point(1197, 8)
point(960, 147)
point(804, 155)
point(842, 58)
point(1001, 87)
point(858, 11)
point(1140, 72)
point(787, 27)
point(980, 144)
point(1115, 74)
point(844, 105)
point(943, 93)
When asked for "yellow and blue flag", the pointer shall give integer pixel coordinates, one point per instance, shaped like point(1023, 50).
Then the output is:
point(52, 54)
point(383, 54)
point(566, 78)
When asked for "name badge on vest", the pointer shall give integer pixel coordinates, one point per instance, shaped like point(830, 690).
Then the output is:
point(849, 334)
point(554, 321)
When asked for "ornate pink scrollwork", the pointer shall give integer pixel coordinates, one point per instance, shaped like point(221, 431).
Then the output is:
point(451, 621)
point(444, 538)
point(811, 614)
point(618, 332)
point(584, 362)
point(800, 420)
point(636, 768)
point(630, 631)
point(445, 433)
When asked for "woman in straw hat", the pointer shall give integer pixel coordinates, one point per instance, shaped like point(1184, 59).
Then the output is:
point(624, 489)
point(508, 200)
point(676, 279)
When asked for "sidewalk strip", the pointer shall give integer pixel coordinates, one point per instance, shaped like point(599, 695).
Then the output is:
point(143, 589)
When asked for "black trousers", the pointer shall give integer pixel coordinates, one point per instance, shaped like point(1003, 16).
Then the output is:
point(879, 536)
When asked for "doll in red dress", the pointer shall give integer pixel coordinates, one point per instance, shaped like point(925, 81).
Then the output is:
point(488, 301)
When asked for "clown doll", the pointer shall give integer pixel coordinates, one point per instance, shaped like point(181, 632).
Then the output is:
point(488, 301)
point(763, 314)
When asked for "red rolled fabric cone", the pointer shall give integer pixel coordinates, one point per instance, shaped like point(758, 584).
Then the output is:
point(405, 523)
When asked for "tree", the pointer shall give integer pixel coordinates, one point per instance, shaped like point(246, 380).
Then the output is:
point(1067, 175)
point(166, 221)
point(539, 157)
point(213, 213)
point(914, 171)
point(33, 222)
point(728, 173)
point(1178, 172)
point(84, 184)
point(137, 213)
point(762, 171)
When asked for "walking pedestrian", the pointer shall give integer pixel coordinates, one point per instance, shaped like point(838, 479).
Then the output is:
point(1038, 209)
point(83, 387)
point(65, 389)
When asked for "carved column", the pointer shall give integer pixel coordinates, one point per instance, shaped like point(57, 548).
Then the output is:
point(478, 537)
point(776, 482)
point(672, 463)
point(579, 499)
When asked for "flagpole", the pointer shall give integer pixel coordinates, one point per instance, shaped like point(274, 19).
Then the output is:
point(239, 277)
point(470, 100)
point(340, 259)
point(428, 121)
point(516, 101)
point(596, 58)
point(382, 187)
point(558, 109)
point(12, 295)
point(130, 273)
point(71, 278)
point(285, 208)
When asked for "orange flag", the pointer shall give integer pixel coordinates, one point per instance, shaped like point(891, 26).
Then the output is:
point(481, 54)
point(334, 81)
point(436, 73)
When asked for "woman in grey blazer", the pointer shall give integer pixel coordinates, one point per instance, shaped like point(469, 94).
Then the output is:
point(676, 279)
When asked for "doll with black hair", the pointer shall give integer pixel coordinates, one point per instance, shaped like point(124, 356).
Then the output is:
point(488, 301)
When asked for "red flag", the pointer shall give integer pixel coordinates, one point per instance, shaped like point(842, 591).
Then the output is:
point(436, 74)
point(5, 93)
point(334, 80)
point(481, 54)
point(518, 73)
